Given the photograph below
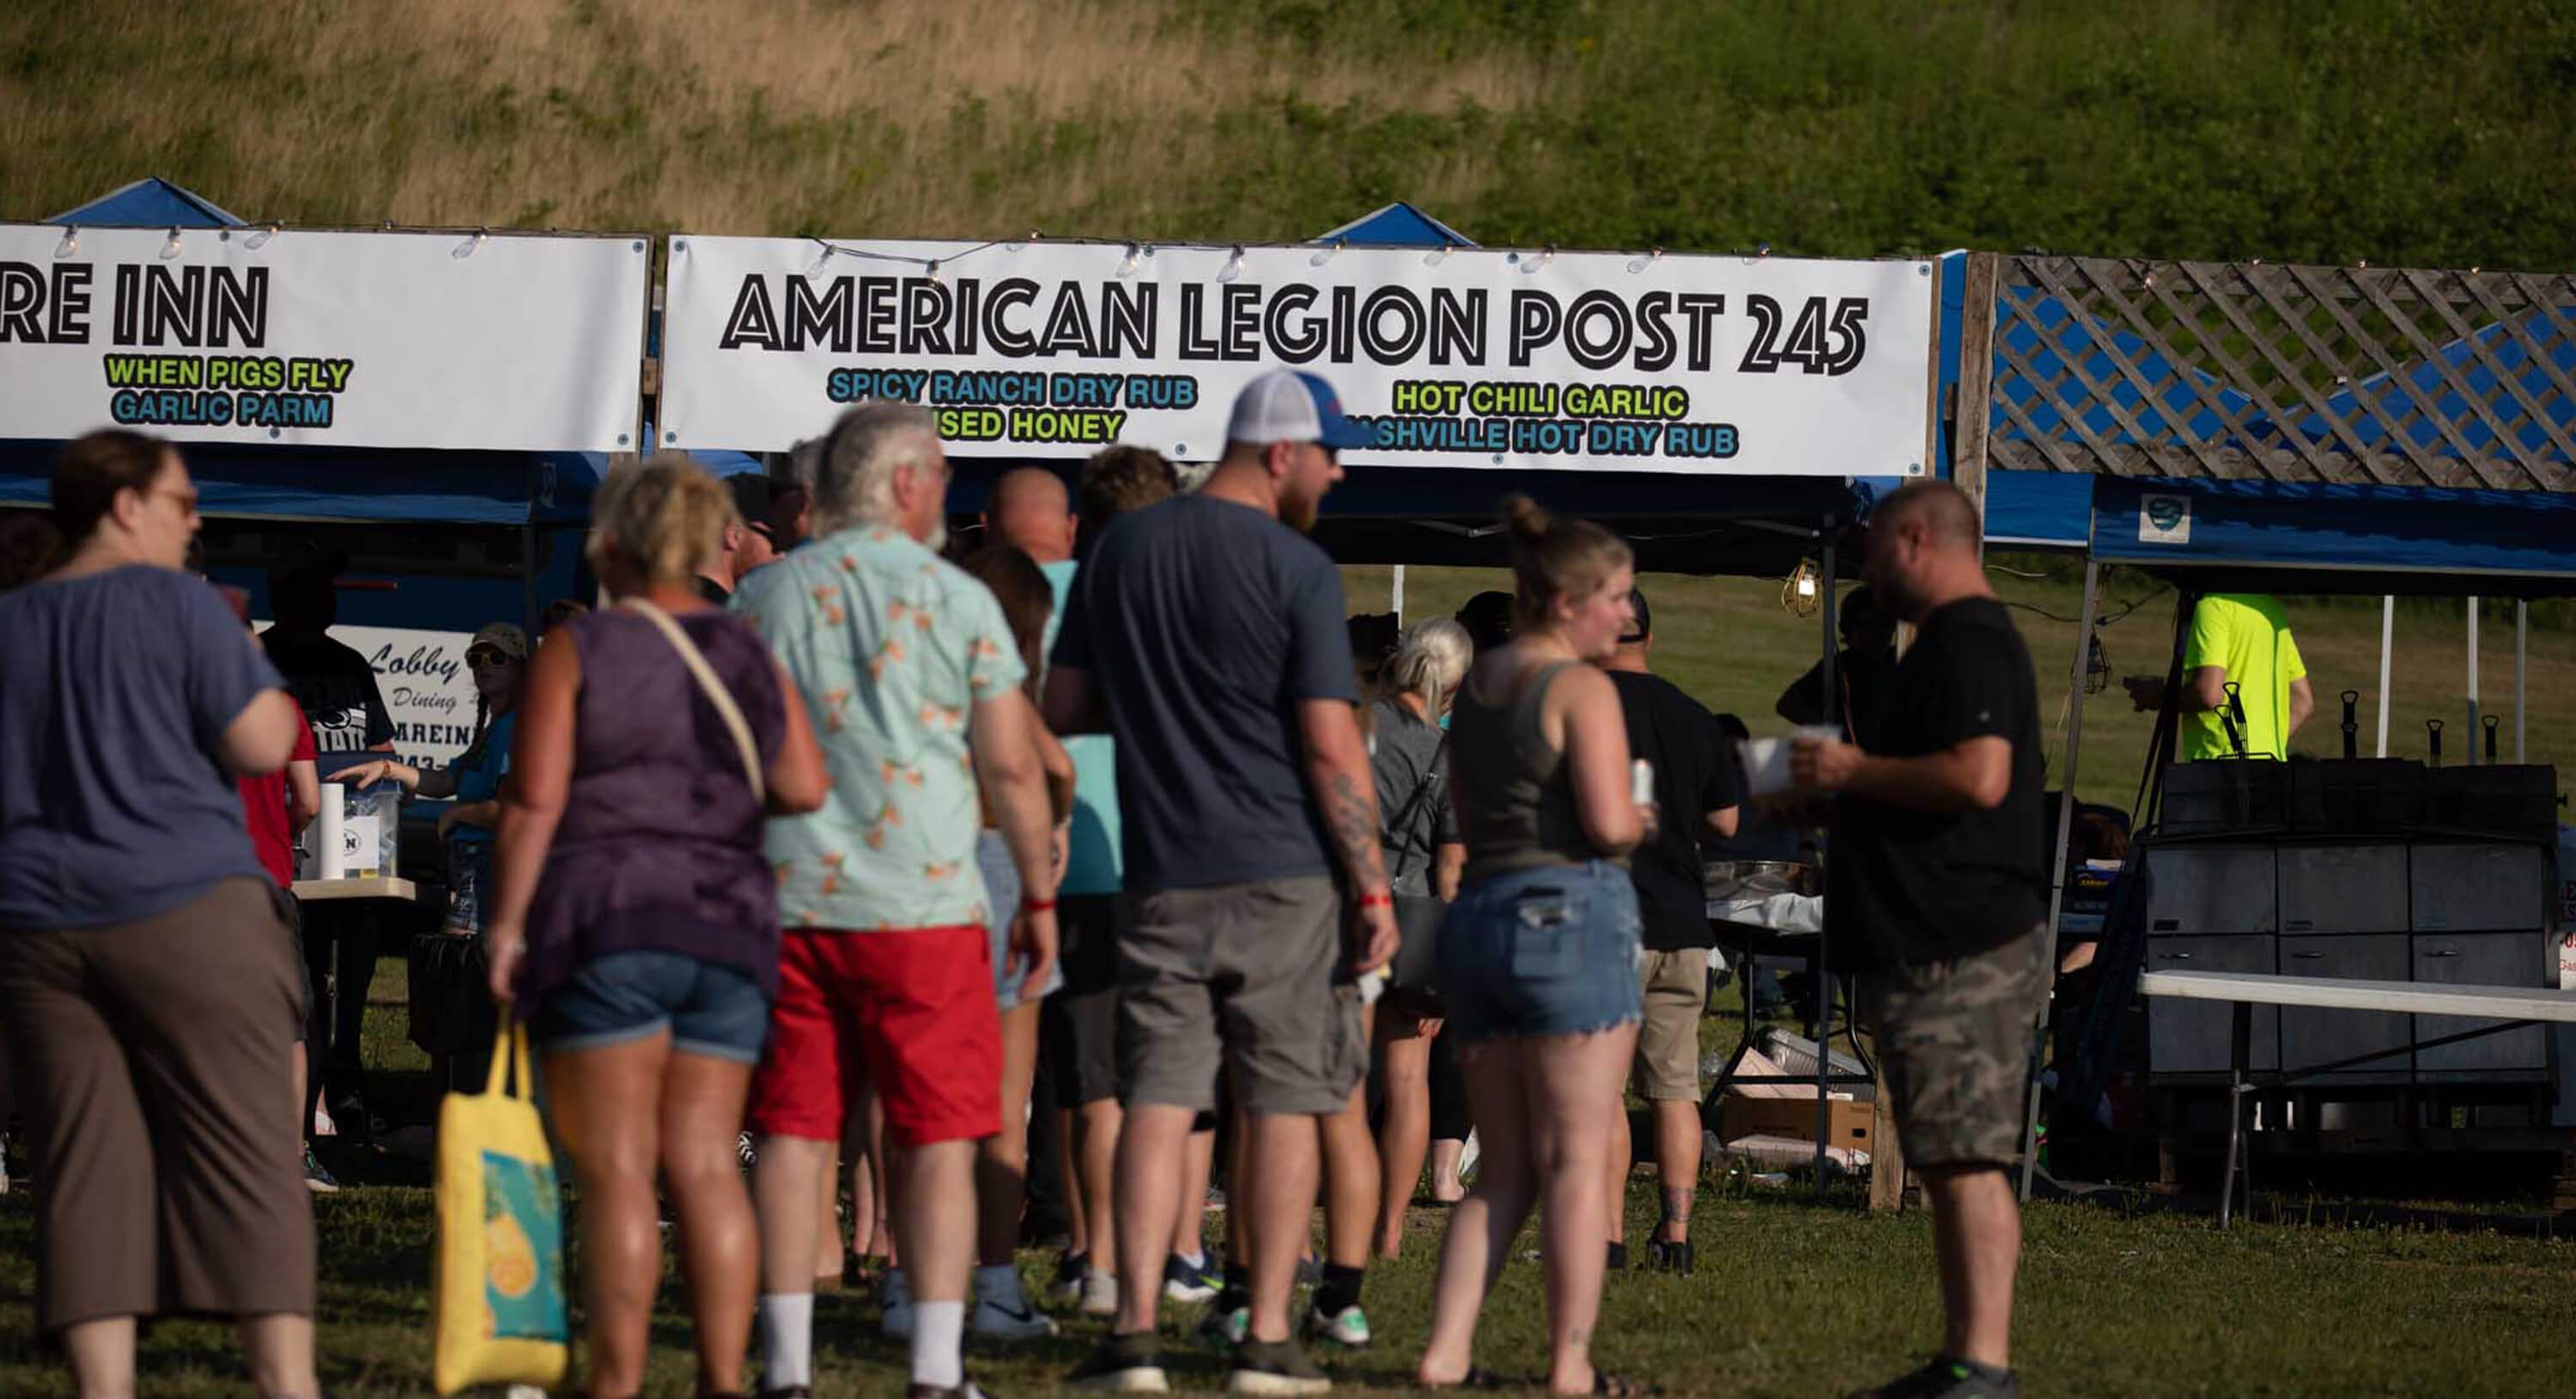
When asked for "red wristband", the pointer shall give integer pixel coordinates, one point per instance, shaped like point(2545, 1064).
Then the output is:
point(1037, 905)
point(1380, 899)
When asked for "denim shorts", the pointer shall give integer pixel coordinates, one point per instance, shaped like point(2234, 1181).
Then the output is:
point(710, 1010)
point(1002, 891)
point(1548, 951)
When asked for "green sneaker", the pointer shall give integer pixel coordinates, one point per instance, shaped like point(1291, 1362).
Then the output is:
point(1225, 1328)
point(1347, 1329)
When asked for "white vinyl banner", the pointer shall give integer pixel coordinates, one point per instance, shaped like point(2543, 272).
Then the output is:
point(447, 340)
point(1469, 357)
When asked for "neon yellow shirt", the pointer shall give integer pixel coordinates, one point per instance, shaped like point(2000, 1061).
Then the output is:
point(2245, 635)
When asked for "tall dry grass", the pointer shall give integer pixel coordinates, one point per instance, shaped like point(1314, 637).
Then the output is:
point(904, 117)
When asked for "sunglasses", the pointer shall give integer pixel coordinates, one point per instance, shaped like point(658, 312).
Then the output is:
point(488, 656)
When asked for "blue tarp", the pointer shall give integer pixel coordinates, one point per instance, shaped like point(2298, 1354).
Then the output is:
point(150, 202)
point(2315, 538)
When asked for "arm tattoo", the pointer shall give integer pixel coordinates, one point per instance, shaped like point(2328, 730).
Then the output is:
point(1350, 814)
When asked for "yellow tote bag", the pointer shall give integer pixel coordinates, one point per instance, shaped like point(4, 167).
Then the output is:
point(499, 1309)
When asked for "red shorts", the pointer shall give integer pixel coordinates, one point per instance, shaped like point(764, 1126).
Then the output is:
point(913, 1011)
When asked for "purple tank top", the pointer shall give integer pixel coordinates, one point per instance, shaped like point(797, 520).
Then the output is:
point(659, 848)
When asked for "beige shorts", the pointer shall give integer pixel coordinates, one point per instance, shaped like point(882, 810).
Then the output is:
point(1240, 977)
point(1668, 1045)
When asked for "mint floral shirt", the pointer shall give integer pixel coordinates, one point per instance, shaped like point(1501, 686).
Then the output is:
point(890, 647)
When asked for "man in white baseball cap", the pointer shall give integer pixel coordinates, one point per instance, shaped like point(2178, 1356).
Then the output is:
point(1206, 634)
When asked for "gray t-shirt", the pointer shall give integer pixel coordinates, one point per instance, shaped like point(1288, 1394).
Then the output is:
point(1413, 811)
point(112, 805)
point(1204, 624)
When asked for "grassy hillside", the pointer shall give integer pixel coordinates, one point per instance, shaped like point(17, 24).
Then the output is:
point(2401, 132)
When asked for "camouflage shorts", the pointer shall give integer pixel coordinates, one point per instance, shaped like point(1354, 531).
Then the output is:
point(1954, 1042)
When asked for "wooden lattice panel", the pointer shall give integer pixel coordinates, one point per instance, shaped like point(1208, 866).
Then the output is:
point(2243, 370)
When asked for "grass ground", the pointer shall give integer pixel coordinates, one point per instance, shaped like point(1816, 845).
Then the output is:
point(1793, 1299)
point(1730, 643)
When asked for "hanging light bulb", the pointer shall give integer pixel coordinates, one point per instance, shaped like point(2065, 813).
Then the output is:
point(1127, 265)
point(932, 271)
point(1644, 260)
point(1803, 592)
point(1436, 256)
point(1546, 255)
point(1325, 256)
point(473, 241)
point(2097, 665)
point(1233, 266)
point(259, 240)
point(822, 261)
point(171, 249)
point(70, 244)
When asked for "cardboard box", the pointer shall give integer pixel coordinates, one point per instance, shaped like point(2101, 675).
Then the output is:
point(1850, 1123)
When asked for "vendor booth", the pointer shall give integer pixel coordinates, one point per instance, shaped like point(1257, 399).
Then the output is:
point(2386, 873)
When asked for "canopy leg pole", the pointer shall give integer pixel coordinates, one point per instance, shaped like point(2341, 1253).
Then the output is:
point(2472, 744)
point(2387, 640)
point(2057, 870)
point(1395, 602)
point(1825, 980)
point(2521, 674)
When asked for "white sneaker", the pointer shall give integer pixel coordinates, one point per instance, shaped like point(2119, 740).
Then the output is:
point(896, 1297)
point(1099, 1294)
point(1002, 1311)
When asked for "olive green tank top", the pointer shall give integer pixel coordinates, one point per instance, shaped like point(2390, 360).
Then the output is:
point(1515, 797)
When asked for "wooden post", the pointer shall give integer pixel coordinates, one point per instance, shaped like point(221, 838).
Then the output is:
point(1886, 1158)
point(1976, 379)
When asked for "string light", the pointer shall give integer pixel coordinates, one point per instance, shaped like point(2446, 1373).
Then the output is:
point(472, 242)
point(70, 244)
point(933, 271)
point(171, 249)
point(1642, 261)
point(821, 262)
point(1325, 256)
point(1546, 256)
point(1127, 265)
point(1233, 265)
point(1800, 594)
point(259, 240)
point(1436, 256)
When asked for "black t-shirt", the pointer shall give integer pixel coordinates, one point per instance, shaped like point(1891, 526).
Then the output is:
point(1205, 625)
point(1694, 775)
point(1906, 887)
point(337, 688)
point(713, 591)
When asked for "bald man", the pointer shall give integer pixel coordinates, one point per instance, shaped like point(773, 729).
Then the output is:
point(1934, 898)
point(1032, 511)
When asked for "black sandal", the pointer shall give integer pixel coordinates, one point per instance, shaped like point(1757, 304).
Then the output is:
point(1477, 1377)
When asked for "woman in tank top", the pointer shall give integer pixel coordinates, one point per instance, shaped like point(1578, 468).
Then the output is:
point(634, 918)
point(1539, 954)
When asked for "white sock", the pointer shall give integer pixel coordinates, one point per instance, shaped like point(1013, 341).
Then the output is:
point(786, 1339)
point(938, 1328)
point(997, 1282)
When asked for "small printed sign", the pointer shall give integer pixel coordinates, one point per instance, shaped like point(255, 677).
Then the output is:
point(2164, 519)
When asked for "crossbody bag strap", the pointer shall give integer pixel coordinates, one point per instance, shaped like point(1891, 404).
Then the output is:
point(1421, 794)
point(712, 688)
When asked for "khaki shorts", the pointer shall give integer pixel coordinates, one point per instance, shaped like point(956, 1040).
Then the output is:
point(1954, 1043)
point(1239, 977)
point(1668, 1046)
